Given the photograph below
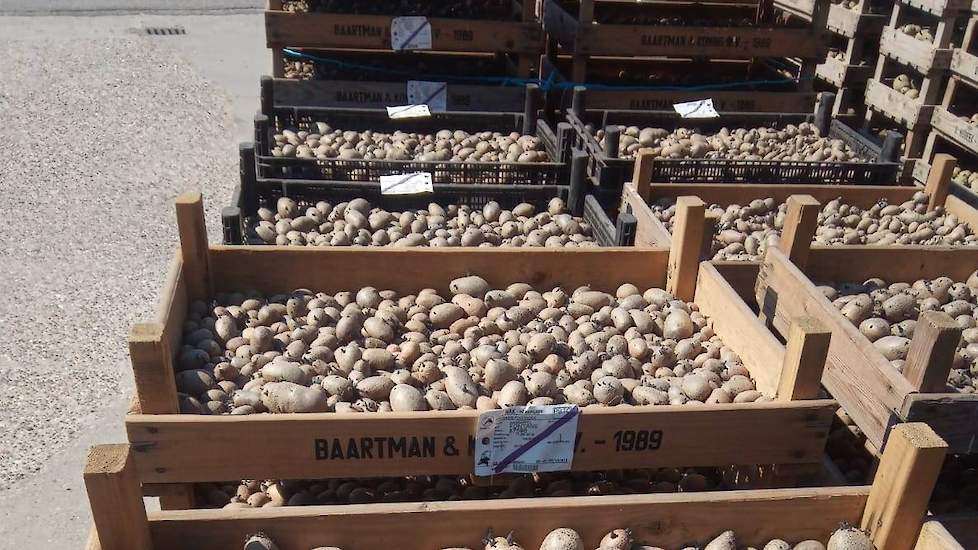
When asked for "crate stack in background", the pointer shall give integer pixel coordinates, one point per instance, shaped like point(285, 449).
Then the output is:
point(648, 56)
point(855, 27)
point(913, 66)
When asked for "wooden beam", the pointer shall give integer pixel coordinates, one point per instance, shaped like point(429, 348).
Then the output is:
point(931, 354)
point(180, 448)
point(939, 180)
point(687, 242)
point(804, 359)
point(642, 174)
point(800, 223)
point(152, 368)
point(666, 520)
point(901, 490)
point(193, 244)
point(116, 499)
point(739, 328)
point(649, 230)
point(275, 270)
point(863, 196)
point(935, 536)
point(856, 263)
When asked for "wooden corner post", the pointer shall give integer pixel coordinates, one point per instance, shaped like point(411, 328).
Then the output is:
point(116, 499)
point(686, 248)
point(904, 481)
point(193, 245)
point(804, 359)
point(642, 174)
point(800, 223)
point(152, 368)
point(939, 180)
point(931, 354)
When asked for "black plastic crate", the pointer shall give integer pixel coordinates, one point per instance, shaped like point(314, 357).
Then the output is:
point(239, 219)
point(278, 118)
point(610, 172)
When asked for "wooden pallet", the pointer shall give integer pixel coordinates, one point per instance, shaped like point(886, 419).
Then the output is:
point(174, 448)
point(338, 31)
point(577, 34)
point(891, 511)
point(650, 231)
point(875, 395)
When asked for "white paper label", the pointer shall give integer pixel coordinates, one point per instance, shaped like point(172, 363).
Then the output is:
point(406, 184)
point(408, 111)
point(526, 439)
point(410, 33)
point(432, 94)
point(696, 109)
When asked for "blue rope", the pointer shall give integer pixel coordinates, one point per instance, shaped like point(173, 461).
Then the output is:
point(549, 84)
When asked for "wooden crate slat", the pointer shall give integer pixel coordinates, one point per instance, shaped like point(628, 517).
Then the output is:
point(894, 105)
point(955, 129)
point(841, 74)
point(327, 30)
point(668, 520)
point(274, 269)
point(965, 65)
point(183, 448)
point(719, 42)
point(923, 56)
point(953, 415)
point(377, 95)
point(723, 100)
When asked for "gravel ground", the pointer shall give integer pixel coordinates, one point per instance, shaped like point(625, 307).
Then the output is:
point(100, 125)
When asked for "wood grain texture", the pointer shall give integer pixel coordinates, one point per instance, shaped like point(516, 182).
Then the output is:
point(742, 277)
point(279, 269)
point(740, 329)
point(671, 521)
point(931, 354)
point(863, 382)
point(649, 230)
point(193, 245)
point(934, 535)
point(377, 95)
point(902, 487)
point(685, 41)
point(800, 223)
point(804, 359)
point(348, 31)
point(642, 172)
point(725, 194)
point(686, 248)
point(152, 368)
point(115, 499)
point(893, 263)
point(939, 179)
point(964, 211)
point(182, 448)
point(954, 416)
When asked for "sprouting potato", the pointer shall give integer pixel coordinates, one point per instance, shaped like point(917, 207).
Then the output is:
point(357, 223)
point(887, 314)
point(744, 232)
point(376, 350)
point(801, 142)
point(320, 141)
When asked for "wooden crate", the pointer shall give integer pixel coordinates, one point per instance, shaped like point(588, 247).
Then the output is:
point(891, 511)
point(911, 114)
point(522, 36)
point(578, 34)
point(874, 394)
point(855, 22)
point(959, 99)
point(949, 532)
point(923, 57)
point(842, 74)
point(605, 74)
point(174, 448)
point(650, 231)
point(964, 61)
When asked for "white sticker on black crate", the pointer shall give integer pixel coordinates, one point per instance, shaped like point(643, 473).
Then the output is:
point(408, 111)
point(406, 184)
point(526, 439)
point(432, 94)
point(702, 108)
point(410, 33)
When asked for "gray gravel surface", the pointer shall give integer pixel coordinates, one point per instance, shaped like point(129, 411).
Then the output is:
point(102, 128)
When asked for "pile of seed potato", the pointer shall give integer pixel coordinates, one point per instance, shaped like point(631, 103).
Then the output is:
point(357, 223)
point(474, 347)
point(274, 493)
point(967, 178)
point(794, 142)
point(326, 142)
point(744, 232)
point(565, 538)
point(887, 314)
point(916, 31)
point(906, 86)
